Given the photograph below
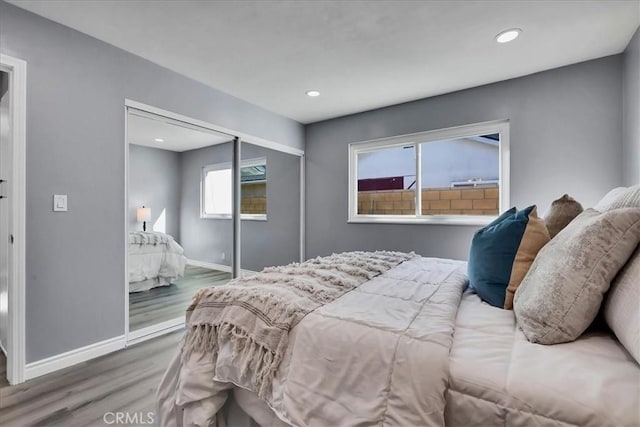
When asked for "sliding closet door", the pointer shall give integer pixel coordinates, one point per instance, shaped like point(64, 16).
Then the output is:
point(270, 207)
point(179, 217)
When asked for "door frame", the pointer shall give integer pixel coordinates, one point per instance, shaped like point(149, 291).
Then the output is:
point(16, 359)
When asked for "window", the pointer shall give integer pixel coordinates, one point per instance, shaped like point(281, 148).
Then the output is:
point(216, 182)
point(451, 176)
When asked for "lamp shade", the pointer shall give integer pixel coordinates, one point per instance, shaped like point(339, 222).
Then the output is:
point(144, 214)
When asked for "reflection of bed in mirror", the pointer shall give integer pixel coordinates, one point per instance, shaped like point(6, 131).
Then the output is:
point(155, 259)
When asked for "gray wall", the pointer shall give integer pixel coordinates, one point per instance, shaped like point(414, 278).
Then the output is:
point(75, 146)
point(154, 182)
point(203, 239)
point(566, 137)
point(631, 111)
point(264, 243)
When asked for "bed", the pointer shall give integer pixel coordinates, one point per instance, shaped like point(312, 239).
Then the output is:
point(155, 259)
point(408, 347)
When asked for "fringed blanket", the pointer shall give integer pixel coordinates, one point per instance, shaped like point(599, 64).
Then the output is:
point(256, 313)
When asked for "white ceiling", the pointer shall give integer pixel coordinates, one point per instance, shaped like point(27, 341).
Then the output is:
point(144, 131)
point(359, 54)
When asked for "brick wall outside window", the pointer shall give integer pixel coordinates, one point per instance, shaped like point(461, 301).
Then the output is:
point(435, 201)
point(254, 198)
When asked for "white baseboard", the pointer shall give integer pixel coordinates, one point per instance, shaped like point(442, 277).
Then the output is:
point(209, 265)
point(213, 266)
point(153, 331)
point(73, 357)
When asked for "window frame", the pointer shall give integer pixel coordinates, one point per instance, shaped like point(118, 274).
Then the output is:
point(228, 165)
point(416, 139)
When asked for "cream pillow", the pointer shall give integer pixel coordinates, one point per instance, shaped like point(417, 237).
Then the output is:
point(562, 292)
point(629, 198)
point(605, 203)
point(622, 307)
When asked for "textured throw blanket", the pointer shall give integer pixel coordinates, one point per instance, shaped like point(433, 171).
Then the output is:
point(149, 238)
point(256, 313)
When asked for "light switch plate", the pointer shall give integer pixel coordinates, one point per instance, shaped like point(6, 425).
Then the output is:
point(59, 202)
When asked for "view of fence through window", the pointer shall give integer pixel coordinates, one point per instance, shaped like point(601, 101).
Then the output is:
point(254, 189)
point(459, 177)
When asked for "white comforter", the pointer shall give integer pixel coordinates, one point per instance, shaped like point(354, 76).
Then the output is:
point(154, 262)
point(377, 355)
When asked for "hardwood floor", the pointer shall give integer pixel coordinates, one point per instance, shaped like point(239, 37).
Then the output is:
point(125, 381)
point(168, 302)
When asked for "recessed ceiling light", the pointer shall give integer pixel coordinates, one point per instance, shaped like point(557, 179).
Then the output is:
point(159, 140)
point(313, 93)
point(508, 35)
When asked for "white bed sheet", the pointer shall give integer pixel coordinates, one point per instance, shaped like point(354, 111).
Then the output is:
point(151, 266)
point(498, 378)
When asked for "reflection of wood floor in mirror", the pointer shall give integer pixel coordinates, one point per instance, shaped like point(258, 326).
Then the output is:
point(169, 302)
point(3, 370)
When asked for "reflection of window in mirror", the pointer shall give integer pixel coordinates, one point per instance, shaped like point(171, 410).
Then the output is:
point(216, 198)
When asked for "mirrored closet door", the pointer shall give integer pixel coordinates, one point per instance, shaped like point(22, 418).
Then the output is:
point(270, 208)
point(180, 235)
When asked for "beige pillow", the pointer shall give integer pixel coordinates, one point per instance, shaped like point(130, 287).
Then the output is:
point(534, 238)
point(622, 307)
point(562, 292)
point(561, 213)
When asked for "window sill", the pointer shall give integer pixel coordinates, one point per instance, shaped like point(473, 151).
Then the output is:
point(253, 217)
point(474, 220)
point(243, 217)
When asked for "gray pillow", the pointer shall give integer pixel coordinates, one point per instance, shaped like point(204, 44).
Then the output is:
point(562, 292)
point(622, 307)
point(561, 212)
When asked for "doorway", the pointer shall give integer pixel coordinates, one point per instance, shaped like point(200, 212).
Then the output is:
point(5, 201)
point(12, 216)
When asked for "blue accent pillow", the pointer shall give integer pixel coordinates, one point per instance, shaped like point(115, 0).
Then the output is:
point(472, 259)
point(502, 252)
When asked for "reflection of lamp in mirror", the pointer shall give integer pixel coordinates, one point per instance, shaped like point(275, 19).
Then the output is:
point(144, 215)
